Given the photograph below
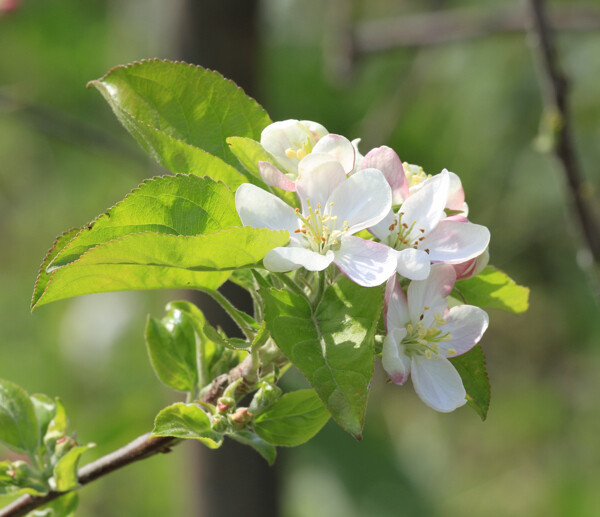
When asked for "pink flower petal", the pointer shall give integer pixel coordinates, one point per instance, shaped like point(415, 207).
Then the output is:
point(395, 305)
point(386, 160)
point(273, 177)
point(466, 324)
point(393, 358)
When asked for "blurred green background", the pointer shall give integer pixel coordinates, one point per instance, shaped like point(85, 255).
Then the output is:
point(472, 107)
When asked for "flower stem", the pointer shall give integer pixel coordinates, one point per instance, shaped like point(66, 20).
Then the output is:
point(237, 316)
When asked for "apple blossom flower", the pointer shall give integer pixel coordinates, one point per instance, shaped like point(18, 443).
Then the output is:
point(300, 145)
point(334, 207)
point(420, 230)
point(422, 333)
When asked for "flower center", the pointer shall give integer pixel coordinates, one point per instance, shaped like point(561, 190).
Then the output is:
point(424, 341)
point(414, 174)
point(299, 150)
point(320, 228)
point(403, 235)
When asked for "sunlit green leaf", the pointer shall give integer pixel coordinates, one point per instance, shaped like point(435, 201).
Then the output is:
point(266, 450)
point(294, 419)
point(157, 261)
point(493, 289)
point(185, 102)
point(175, 205)
point(186, 421)
point(473, 372)
point(64, 506)
point(332, 346)
point(18, 422)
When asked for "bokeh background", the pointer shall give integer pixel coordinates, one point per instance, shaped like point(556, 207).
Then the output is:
point(471, 106)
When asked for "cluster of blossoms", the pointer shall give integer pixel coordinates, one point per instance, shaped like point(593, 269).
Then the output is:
point(418, 229)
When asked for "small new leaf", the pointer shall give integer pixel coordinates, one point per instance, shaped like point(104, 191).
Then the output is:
point(294, 419)
point(18, 421)
point(186, 421)
point(65, 470)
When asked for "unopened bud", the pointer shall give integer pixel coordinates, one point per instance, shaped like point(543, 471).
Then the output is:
point(241, 417)
point(266, 395)
point(219, 423)
point(224, 404)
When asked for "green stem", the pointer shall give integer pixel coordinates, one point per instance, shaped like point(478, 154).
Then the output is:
point(291, 285)
point(234, 313)
point(321, 284)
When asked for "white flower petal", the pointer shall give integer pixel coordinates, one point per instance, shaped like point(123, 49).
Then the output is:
point(431, 292)
point(456, 194)
point(318, 131)
point(317, 183)
point(387, 161)
point(413, 264)
point(437, 383)
point(395, 362)
point(339, 147)
point(261, 209)
point(395, 305)
point(425, 208)
point(273, 177)
point(365, 262)
point(454, 242)
point(362, 200)
point(466, 324)
point(289, 258)
point(278, 137)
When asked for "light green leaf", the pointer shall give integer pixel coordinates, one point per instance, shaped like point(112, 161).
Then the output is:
point(186, 421)
point(332, 346)
point(175, 205)
point(64, 506)
point(266, 450)
point(57, 428)
point(43, 277)
point(473, 372)
point(18, 422)
point(171, 346)
point(493, 289)
point(157, 261)
point(185, 102)
point(17, 478)
point(65, 470)
point(294, 419)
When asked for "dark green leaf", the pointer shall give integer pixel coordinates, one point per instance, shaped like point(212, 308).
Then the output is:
point(266, 450)
point(472, 370)
point(332, 346)
point(18, 423)
point(186, 421)
point(294, 419)
point(174, 205)
point(171, 346)
point(493, 289)
point(184, 102)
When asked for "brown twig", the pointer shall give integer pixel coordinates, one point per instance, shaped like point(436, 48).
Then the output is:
point(455, 25)
point(555, 86)
point(141, 448)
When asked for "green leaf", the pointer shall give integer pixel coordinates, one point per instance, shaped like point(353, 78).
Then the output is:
point(65, 470)
point(43, 277)
point(266, 450)
point(473, 372)
point(184, 102)
point(64, 506)
point(18, 423)
point(494, 289)
point(174, 205)
point(57, 428)
point(294, 419)
point(45, 411)
point(186, 421)
point(171, 346)
point(158, 261)
point(332, 346)
point(17, 478)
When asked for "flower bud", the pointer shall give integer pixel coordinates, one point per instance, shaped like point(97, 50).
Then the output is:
point(266, 395)
point(224, 404)
point(473, 267)
point(240, 418)
point(220, 423)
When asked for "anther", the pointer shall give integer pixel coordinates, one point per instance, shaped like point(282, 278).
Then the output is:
point(290, 153)
point(301, 153)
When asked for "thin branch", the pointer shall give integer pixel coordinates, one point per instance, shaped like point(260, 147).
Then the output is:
point(456, 25)
point(141, 448)
point(555, 86)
